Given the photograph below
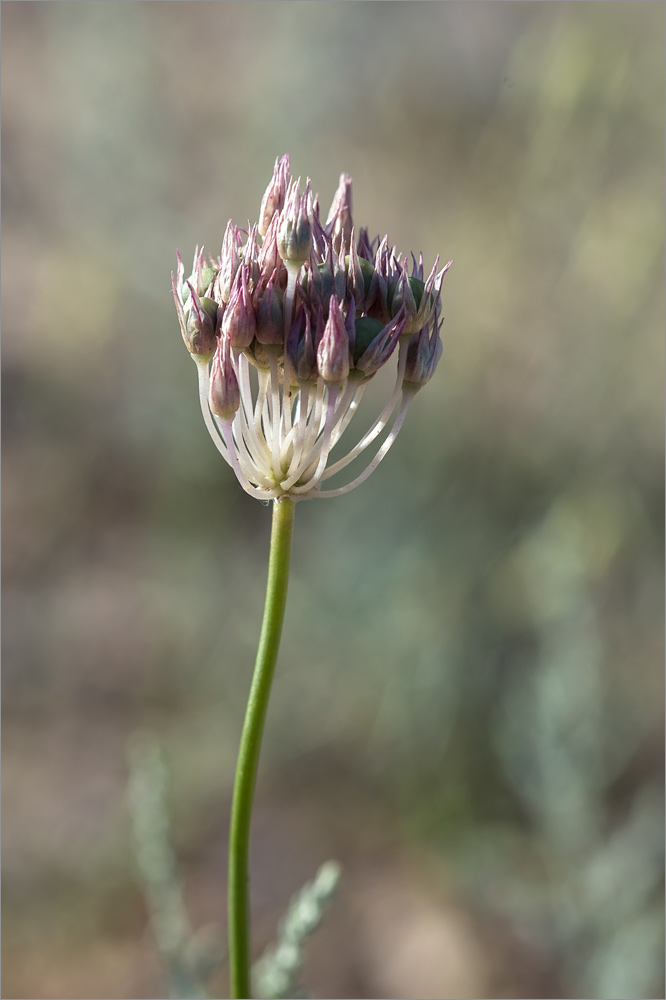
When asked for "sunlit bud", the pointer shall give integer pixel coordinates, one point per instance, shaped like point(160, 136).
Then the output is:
point(198, 320)
point(423, 354)
point(319, 237)
point(438, 278)
point(377, 292)
point(201, 277)
point(224, 394)
point(333, 349)
point(270, 317)
point(250, 259)
point(268, 257)
point(339, 222)
point(360, 276)
point(340, 259)
point(355, 280)
point(239, 321)
point(294, 237)
point(229, 263)
point(275, 194)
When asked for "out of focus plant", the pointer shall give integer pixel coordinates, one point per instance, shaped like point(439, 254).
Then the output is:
point(287, 328)
point(191, 957)
point(276, 973)
point(188, 957)
point(562, 749)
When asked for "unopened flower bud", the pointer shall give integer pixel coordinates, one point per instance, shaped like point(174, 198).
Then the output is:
point(328, 279)
point(270, 317)
point(419, 298)
point(224, 394)
point(339, 222)
point(423, 354)
point(268, 257)
point(294, 238)
point(319, 238)
point(409, 294)
point(201, 278)
point(275, 194)
point(374, 343)
point(300, 347)
point(333, 349)
point(377, 292)
point(360, 275)
point(364, 245)
point(229, 263)
point(197, 318)
point(239, 322)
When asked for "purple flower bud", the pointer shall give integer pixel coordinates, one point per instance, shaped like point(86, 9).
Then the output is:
point(377, 291)
point(229, 263)
point(274, 196)
point(333, 349)
point(268, 257)
point(300, 347)
point(294, 238)
point(365, 246)
point(328, 278)
point(239, 322)
point(224, 394)
point(202, 276)
point(423, 354)
point(418, 298)
point(251, 259)
point(339, 222)
point(319, 237)
point(197, 318)
point(270, 317)
point(360, 276)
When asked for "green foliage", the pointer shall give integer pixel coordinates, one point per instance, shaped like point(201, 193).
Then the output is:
point(188, 960)
point(276, 973)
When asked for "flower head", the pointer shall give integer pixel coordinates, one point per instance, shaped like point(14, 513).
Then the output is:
point(289, 325)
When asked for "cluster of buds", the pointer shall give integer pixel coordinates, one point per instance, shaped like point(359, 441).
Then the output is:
point(287, 328)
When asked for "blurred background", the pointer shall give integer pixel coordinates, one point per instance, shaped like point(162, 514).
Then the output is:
point(468, 709)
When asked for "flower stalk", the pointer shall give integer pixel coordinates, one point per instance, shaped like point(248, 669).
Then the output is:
point(250, 745)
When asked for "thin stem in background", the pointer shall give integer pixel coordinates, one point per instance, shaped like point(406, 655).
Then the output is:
point(250, 745)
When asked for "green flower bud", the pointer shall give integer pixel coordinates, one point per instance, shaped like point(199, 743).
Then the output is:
point(366, 331)
point(419, 307)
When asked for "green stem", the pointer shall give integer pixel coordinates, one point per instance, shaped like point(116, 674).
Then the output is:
point(250, 745)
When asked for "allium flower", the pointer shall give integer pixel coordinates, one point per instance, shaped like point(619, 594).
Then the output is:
point(287, 328)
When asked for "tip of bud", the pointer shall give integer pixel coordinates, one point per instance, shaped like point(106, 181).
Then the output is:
point(275, 194)
point(339, 221)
